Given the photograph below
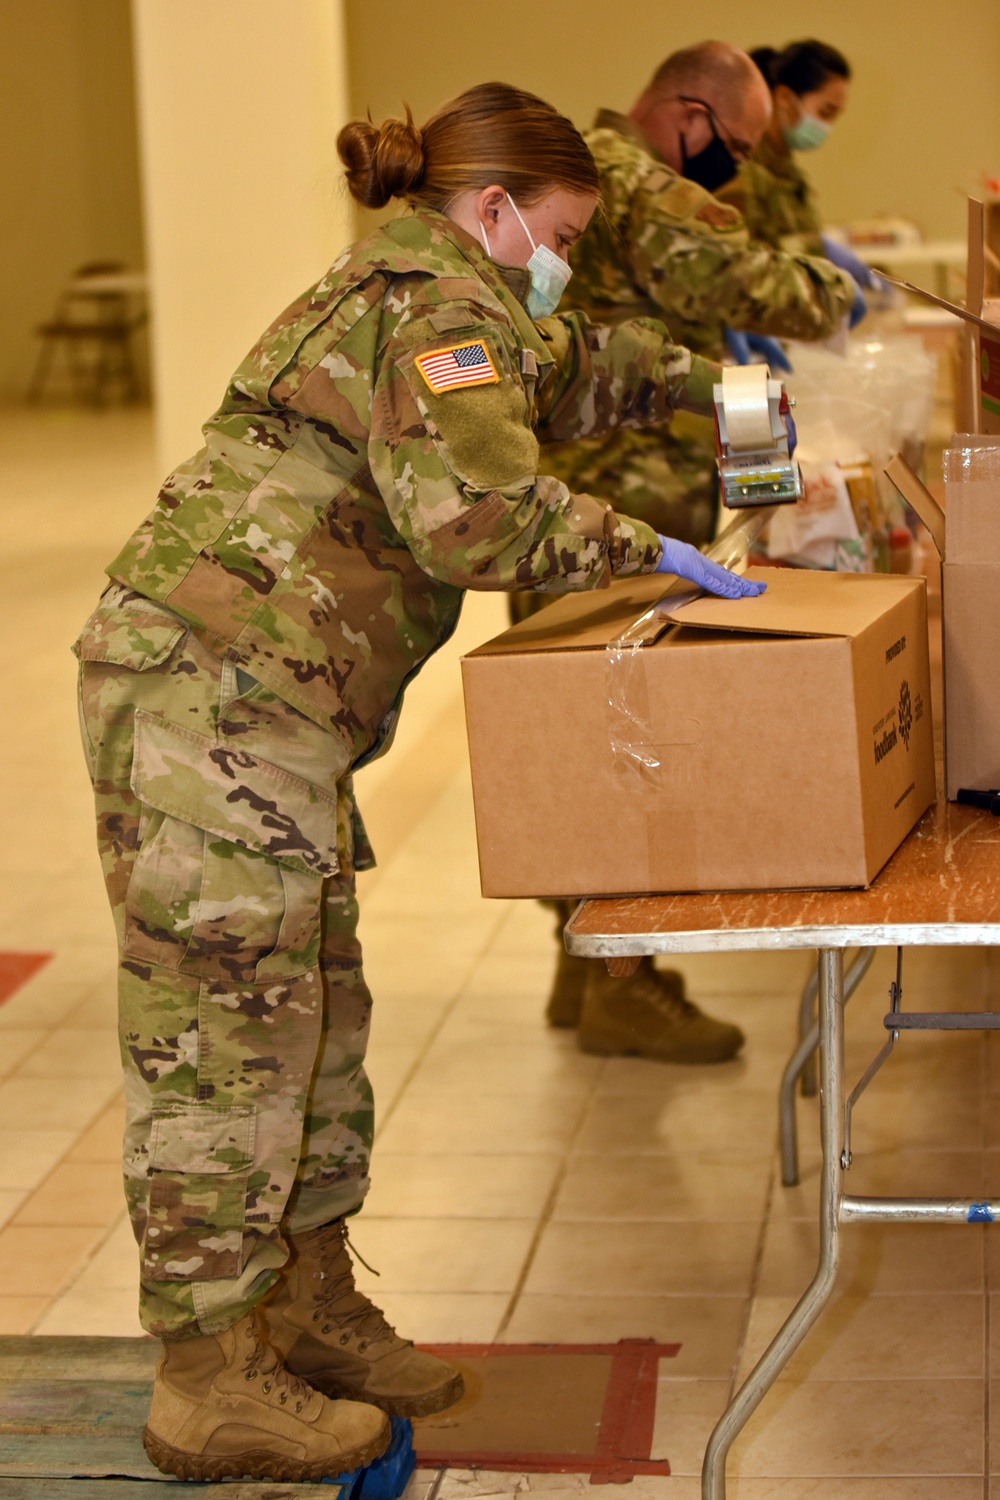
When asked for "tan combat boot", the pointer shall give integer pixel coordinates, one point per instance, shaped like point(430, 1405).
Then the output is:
point(333, 1336)
point(565, 1003)
point(648, 1015)
point(224, 1407)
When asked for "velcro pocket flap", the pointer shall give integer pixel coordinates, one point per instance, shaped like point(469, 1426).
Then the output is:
point(129, 630)
point(230, 793)
point(191, 1138)
point(450, 319)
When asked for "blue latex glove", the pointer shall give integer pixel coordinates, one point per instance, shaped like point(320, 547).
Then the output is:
point(848, 261)
point(742, 345)
point(858, 308)
point(793, 437)
point(687, 562)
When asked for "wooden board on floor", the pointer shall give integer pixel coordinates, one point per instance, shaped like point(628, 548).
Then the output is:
point(71, 1415)
point(72, 1412)
point(141, 1489)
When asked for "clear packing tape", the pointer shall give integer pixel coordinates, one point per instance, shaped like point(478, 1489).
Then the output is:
point(969, 462)
point(630, 730)
point(747, 408)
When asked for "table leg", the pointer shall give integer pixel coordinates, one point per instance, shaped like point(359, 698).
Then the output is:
point(788, 1132)
point(808, 1309)
point(807, 1016)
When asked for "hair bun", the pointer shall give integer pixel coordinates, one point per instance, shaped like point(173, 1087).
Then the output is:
point(382, 161)
point(767, 60)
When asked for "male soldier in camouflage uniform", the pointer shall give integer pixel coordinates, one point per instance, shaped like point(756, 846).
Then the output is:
point(663, 246)
point(666, 247)
point(773, 196)
point(254, 646)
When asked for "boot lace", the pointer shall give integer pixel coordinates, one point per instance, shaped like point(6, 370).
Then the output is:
point(337, 1299)
point(665, 994)
point(261, 1361)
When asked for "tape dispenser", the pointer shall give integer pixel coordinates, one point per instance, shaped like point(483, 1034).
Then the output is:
point(755, 465)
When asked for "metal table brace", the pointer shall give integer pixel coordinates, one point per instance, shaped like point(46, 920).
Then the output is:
point(800, 1064)
point(836, 1207)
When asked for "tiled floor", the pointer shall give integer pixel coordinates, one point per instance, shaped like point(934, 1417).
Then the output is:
point(522, 1191)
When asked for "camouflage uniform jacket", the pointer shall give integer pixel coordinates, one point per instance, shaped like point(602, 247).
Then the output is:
point(323, 537)
point(776, 201)
point(664, 247)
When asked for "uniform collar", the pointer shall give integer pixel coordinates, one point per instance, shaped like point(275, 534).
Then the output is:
point(610, 119)
point(778, 163)
point(509, 284)
point(516, 279)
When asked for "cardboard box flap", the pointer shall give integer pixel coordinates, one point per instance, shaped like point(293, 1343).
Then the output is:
point(916, 494)
point(801, 601)
point(991, 324)
point(581, 621)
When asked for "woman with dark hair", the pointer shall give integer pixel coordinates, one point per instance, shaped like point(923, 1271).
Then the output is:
point(810, 85)
point(373, 457)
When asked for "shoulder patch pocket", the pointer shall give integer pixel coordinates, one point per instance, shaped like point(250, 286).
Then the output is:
point(483, 430)
point(450, 319)
point(719, 215)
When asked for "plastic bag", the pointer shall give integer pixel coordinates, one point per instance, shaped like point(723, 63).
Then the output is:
point(852, 414)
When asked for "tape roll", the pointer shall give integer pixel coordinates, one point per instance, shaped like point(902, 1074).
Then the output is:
point(744, 401)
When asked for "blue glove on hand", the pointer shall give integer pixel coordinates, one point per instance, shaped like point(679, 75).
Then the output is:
point(848, 261)
point(858, 308)
point(793, 437)
point(687, 562)
point(742, 345)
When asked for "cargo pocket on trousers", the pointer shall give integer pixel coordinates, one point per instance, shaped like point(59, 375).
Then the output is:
point(233, 851)
point(199, 1171)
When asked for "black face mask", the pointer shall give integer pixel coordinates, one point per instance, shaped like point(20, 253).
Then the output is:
point(711, 167)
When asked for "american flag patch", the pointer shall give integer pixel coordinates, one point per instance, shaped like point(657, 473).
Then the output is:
point(461, 365)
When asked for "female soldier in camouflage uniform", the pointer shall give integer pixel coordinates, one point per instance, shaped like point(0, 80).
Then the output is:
point(809, 83)
point(374, 456)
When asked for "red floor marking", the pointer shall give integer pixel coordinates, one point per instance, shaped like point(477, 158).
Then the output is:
point(626, 1432)
point(16, 969)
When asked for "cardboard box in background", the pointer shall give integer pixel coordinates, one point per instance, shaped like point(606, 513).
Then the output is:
point(978, 380)
point(967, 537)
point(782, 741)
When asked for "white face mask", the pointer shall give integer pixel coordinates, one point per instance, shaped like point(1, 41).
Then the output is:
point(549, 274)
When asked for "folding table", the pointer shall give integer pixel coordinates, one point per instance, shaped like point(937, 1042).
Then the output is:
point(942, 887)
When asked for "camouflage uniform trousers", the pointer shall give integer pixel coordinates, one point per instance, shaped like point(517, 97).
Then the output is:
point(228, 853)
point(665, 476)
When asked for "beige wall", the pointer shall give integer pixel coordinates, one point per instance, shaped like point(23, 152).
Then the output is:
point(239, 102)
point(924, 121)
point(69, 183)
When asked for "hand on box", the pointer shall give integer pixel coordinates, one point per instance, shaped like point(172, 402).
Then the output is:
point(687, 562)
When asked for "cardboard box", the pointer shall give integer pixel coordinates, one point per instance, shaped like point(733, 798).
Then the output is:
point(967, 537)
point(782, 741)
point(978, 376)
